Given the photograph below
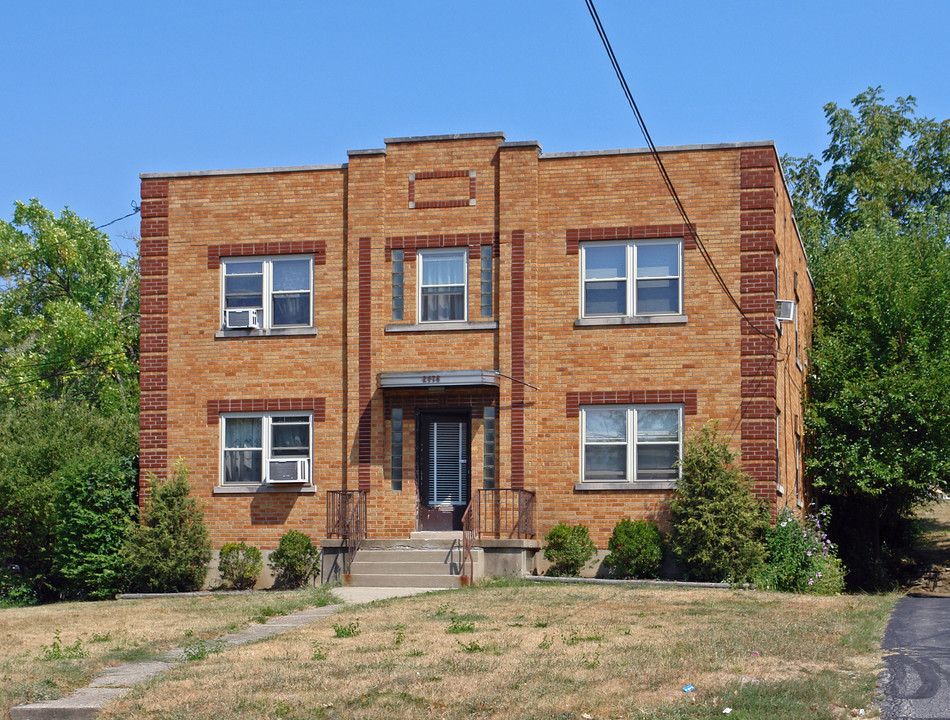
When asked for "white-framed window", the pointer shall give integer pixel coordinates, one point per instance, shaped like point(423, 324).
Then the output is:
point(267, 292)
point(631, 278)
point(631, 443)
point(442, 285)
point(262, 448)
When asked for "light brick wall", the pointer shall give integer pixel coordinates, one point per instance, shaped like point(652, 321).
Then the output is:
point(533, 210)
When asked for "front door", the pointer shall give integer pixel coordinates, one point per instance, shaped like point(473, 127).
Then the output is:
point(442, 442)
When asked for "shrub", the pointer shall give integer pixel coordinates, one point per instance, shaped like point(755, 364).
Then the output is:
point(94, 506)
point(240, 565)
point(569, 548)
point(801, 558)
point(295, 561)
point(717, 523)
point(169, 550)
point(636, 549)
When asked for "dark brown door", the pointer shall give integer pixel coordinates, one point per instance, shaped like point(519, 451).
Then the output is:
point(444, 481)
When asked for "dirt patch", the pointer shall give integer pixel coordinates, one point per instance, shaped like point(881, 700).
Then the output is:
point(928, 573)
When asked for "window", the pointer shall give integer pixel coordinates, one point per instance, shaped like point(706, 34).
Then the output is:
point(443, 284)
point(628, 278)
point(395, 440)
point(397, 262)
point(488, 464)
point(628, 443)
point(265, 449)
point(268, 292)
point(486, 279)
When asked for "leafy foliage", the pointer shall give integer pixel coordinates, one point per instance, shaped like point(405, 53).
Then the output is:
point(569, 548)
point(240, 565)
point(717, 523)
point(877, 226)
point(68, 312)
point(636, 549)
point(66, 494)
point(169, 550)
point(801, 558)
point(296, 561)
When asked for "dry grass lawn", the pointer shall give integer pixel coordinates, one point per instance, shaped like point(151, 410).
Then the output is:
point(521, 650)
point(34, 665)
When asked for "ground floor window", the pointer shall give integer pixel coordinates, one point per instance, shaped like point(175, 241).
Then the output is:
point(630, 443)
point(265, 448)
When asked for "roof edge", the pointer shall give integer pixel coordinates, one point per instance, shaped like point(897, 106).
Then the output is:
point(241, 171)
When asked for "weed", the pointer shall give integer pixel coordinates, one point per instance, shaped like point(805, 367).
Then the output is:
point(575, 639)
point(319, 651)
point(415, 653)
point(200, 649)
point(444, 609)
point(592, 661)
point(545, 643)
point(58, 651)
point(399, 637)
point(267, 612)
point(100, 637)
point(472, 647)
point(460, 624)
point(541, 623)
point(351, 629)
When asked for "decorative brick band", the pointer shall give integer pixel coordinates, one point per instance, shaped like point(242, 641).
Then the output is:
point(364, 432)
point(517, 358)
point(575, 236)
point(317, 248)
point(153, 335)
point(411, 243)
point(575, 399)
point(441, 175)
point(315, 405)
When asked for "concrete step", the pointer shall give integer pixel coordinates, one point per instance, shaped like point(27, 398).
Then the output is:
point(407, 567)
point(387, 580)
point(442, 555)
point(412, 544)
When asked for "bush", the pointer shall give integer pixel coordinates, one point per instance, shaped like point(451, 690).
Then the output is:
point(636, 549)
point(569, 548)
point(95, 508)
point(718, 525)
point(296, 561)
point(169, 550)
point(801, 558)
point(240, 565)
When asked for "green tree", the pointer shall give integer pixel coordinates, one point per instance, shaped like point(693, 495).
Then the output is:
point(68, 311)
point(876, 221)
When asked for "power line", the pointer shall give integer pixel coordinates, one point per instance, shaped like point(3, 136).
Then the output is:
point(659, 163)
point(135, 209)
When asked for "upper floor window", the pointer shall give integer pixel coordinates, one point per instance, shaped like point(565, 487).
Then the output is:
point(627, 443)
point(268, 292)
point(443, 285)
point(263, 448)
point(632, 278)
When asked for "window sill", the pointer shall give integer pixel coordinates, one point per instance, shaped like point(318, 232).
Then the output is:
point(641, 320)
point(642, 485)
point(272, 332)
point(300, 489)
point(443, 327)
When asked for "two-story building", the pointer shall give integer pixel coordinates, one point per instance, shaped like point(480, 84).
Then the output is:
point(365, 349)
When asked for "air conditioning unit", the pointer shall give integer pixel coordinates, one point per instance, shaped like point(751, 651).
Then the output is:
point(240, 319)
point(784, 310)
point(287, 471)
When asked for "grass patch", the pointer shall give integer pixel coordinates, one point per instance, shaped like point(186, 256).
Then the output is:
point(48, 650)
point(548, 651)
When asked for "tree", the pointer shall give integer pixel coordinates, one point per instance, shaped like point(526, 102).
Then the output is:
point(68, 311)
point(877, 223)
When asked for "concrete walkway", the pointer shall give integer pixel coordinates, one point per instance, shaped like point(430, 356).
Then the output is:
point(86, 702)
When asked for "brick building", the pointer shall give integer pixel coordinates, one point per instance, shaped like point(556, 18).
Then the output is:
point(459, 317)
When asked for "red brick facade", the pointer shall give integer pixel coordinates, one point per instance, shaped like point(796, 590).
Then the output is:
point(529, 353)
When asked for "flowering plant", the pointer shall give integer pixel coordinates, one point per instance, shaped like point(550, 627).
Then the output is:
point(801, 558)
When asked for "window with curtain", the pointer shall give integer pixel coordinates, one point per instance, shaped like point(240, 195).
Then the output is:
point(629, 443)
point(266, 293)
point(265, 448)
point(443, 283)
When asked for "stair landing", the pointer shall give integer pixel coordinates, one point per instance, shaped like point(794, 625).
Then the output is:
point(425, 559)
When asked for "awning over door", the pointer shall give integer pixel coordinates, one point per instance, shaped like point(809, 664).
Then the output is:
point(437, 378)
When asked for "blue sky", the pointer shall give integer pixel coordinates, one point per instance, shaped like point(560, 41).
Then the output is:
point(97, 92)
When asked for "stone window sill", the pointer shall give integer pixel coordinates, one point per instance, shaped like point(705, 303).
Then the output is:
point(643, 485)
point(442, 327)
point(264, 489)
point(272, 332)
point(642, 320)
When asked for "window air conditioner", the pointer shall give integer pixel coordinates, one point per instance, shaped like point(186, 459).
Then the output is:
point(236, 319)
point(784, 310)
point(287, 471)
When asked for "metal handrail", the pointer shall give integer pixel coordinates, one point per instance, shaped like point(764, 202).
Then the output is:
point(506, 513)
point(469, 532)
point(346, 519)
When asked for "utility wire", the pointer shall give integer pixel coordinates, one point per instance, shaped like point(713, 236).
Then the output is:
point(659, 163)
point(135, 209)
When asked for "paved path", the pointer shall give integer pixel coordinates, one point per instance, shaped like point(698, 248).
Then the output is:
point(85, 703)
point(916, 679)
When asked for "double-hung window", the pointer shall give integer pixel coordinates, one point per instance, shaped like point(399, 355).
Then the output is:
point(631, 443)
point(268, 293)
point(265, 449)
point(632, 278)
point(443, 285)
